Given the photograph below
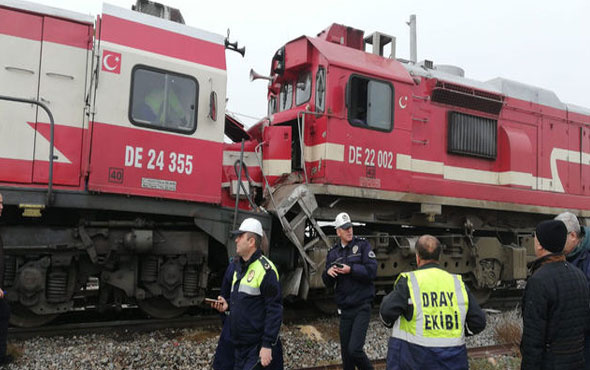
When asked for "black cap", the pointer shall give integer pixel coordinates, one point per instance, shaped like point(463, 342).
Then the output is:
point(552, 235)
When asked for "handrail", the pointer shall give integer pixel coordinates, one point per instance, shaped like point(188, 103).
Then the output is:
point(51, 140)
point(234, 224)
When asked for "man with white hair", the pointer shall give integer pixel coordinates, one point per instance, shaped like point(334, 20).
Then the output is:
point(577, 252)
point(577, 242)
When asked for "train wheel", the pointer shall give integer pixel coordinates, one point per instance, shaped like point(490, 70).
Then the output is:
point(23, 317)
point(160, 308)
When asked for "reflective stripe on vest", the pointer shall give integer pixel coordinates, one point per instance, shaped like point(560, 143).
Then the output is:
point(155, 100)
point(440, 308)
point(250, 283)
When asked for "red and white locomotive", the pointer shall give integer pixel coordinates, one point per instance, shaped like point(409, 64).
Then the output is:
point(124, 187)
point(129, 183)
point(408, 148)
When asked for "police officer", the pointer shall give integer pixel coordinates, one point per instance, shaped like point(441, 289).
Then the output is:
point(351, 269)
point(429, 310)
point(254, 302)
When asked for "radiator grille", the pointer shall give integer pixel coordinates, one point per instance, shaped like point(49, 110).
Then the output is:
point(472, 135)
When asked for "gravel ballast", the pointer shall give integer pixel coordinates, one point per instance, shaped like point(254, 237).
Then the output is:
point(310, 343)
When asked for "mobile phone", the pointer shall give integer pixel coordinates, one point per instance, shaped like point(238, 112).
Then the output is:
point(339, 265)
point(211, 300)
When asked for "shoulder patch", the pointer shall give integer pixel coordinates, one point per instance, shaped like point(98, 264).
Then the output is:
point(372, 254)
point(265, 263)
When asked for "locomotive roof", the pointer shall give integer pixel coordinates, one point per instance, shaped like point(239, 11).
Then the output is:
point(161, 23)
point(358, 60)
point(48, 10)
point(513, 89)
point(378, 66)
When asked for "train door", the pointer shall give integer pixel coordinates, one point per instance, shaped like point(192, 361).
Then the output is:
point(20, 42)
point(159, 122)
point(554, 165)
point(66, 49)
point(43, 58)
point(370, 116)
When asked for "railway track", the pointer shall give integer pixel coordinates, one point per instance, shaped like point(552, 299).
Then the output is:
point(473, 353)
point(140, 325)
point(505, 299)
point(134, 320)
point(79, 324)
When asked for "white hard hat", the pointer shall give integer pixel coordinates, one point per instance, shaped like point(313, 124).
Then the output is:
point(250, 225)
point(342, 221)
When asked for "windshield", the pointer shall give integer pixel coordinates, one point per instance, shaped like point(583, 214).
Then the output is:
point(303, 92)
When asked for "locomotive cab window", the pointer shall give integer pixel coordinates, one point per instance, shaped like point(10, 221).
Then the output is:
point(370, 103)
point(163, 100)
point(320, 90)
point(272, 105)
point(303, 92)
point(286, 96)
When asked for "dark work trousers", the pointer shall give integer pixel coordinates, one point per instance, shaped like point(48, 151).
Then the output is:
point(224, 354)
point(587, 351)
point(354, 323)
point(248, 357)
point(4, 316)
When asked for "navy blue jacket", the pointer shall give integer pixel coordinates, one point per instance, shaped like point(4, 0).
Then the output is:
point(582, 261)
point(254, 319)
point(356, 288)
point(224, 354)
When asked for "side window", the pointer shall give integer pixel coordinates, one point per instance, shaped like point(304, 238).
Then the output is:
point(320, 90)
point(370, 103)
point(163, 100)
point(272, 105)
point(286, 96)
point(303, 92)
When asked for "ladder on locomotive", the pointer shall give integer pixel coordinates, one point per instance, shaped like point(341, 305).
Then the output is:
point(301, 199)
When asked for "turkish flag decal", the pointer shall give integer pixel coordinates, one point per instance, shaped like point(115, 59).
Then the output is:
point(111, 62)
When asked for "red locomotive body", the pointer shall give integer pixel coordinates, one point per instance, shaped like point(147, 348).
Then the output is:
point(120, 184)
point(408, 148)
point(126, 192)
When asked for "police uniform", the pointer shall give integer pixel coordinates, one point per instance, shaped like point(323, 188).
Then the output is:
point(354, 293)
point(429, 310)
point(256, 311)
point(224, 354)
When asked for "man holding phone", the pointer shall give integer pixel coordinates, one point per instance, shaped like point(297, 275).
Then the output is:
point(351, 268)
point(254, 301)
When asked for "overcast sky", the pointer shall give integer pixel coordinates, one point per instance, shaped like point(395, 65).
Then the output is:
point(545, 43)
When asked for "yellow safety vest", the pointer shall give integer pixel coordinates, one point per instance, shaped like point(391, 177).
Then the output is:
point(440, 306)
point(155, 100)
point(250, 283)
